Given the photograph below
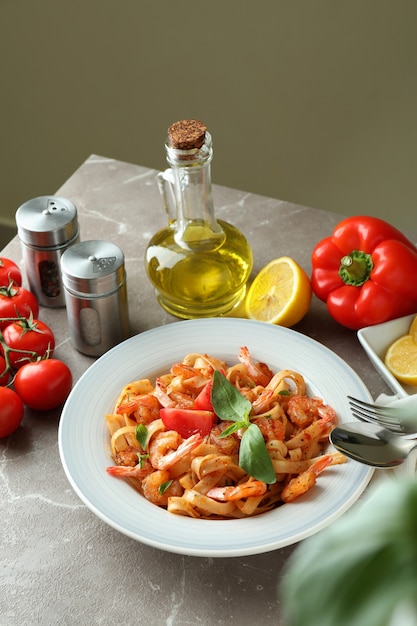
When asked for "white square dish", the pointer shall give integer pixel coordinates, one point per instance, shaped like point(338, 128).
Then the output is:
point(376, 340)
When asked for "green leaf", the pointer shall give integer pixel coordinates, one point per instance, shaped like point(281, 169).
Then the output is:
point(233, 428)
point(230, 405)
point(254, 457)
point(142, 458)
point(164, 486)
point(141, 435)
point(363, 568)
point(227, 402)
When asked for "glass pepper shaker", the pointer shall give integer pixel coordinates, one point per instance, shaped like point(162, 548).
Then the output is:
point(94, 278)
point(198, 265)
point(46, 226)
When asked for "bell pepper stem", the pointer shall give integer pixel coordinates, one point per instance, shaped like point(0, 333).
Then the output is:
point(355, 268)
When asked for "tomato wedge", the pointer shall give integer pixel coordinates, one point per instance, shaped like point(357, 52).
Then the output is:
point(203, 400)
point(187, 421)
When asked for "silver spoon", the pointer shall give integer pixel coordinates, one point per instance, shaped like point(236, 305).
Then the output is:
point(371, 444)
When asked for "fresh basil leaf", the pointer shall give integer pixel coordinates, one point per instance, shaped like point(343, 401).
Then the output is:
point(164, 486)
point(233, 428)
point(227, 402)
point(142, 458)
point(254, 457)
point(141, 435)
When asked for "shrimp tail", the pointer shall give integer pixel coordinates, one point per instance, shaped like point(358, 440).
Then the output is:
point(123, 471)
point(306, 480)
point(244, 490)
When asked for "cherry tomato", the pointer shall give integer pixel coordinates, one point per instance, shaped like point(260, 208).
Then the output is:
point(43, 385)
point(11, 411)
point(17, 301)
point(4, 375)
point(9, 271)
point(203, 400)
point(32, 335)
point(187, 421)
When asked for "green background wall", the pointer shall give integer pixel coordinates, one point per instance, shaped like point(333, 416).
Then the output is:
point(312, 101)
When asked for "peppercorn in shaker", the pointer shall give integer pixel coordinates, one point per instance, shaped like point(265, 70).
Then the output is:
point(94, 279)
point(46, 226)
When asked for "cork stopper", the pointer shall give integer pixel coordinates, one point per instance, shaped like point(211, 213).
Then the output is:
point(187, 134)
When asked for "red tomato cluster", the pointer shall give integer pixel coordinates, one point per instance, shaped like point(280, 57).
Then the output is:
point(26, 348)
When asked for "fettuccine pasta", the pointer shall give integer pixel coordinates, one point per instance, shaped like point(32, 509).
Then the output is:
point(200, 475)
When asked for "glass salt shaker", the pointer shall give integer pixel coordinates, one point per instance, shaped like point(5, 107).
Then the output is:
point(46, 226)
point(94, 278)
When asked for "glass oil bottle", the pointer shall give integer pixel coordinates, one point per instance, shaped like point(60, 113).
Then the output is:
point(198, 265)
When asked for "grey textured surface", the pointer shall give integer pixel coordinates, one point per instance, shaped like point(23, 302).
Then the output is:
point(59, 563)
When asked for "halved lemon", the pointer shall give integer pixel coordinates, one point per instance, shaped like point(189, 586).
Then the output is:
point(401, 360)
point(413, 329)
point(280, 293)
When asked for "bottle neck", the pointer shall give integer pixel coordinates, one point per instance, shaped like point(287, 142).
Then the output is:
point(195, 223)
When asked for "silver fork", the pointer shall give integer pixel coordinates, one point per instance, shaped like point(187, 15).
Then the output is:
point(400, 420)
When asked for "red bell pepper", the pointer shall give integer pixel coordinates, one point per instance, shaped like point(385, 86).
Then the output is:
point(366, 272)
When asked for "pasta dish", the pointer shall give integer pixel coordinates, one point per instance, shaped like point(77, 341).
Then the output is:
point(215, 441)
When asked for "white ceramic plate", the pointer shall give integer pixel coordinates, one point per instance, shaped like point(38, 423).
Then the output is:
point(84, 442)
point(376, 340)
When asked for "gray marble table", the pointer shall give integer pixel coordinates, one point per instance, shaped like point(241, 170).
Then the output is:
point(60, 564)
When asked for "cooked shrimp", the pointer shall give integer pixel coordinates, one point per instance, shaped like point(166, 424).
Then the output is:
point(269, 401)
point(250, 393)
point(169, 396)
point(148, 409)
point(145, 408)
point(238, 492)
point(259, 372)
point(271, 429)
point(306, 480)
point(168, 447)
point(263, 402)
point(139, 471)
point(226, 445)
point(303, 410)
point(305, 437)
point(187, 379)
point(152, 487)
point(183, 400)
point(181, 369)
point(162, 395)
point(128, 457)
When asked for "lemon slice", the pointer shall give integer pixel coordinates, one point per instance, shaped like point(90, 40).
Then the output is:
point(413, 329)
point(401, 360)
point(280, 293)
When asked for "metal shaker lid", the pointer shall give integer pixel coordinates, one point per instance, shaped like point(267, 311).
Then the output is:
point(47, 221)
point(93, 268)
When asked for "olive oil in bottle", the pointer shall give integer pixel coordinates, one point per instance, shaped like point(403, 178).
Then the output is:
point(198, 265)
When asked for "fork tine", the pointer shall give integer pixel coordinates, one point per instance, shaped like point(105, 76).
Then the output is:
point(374, 412)
point(403, 422)
point(362, 418)
point(369, 417)
point(374, 409)
point(368, 405)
